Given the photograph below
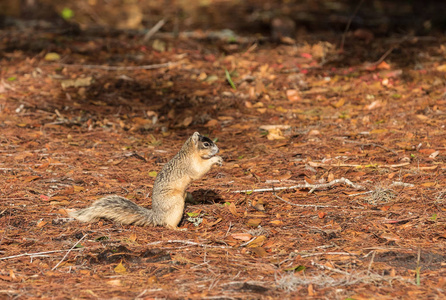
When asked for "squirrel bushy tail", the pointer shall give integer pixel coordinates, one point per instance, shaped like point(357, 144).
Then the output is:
point(118, 209)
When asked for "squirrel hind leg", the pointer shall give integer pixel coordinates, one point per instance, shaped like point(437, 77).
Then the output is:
point(173, 215)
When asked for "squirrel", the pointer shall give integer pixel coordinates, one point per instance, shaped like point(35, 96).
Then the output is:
point(194, 159)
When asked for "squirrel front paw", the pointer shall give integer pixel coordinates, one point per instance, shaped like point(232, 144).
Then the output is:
point(218, 160)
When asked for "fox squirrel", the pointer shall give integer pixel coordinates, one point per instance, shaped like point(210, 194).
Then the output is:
point(195, 159)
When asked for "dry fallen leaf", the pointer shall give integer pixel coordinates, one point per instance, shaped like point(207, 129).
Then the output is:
point(254, 222)
point(233, 210)
point(293, 95)
point(132, 236)
point(114, 282)
point(187, 121)
point(275, 134)
point(211, 123)
point(120, 269)
point(277, 222)
point(259, 251)
point(258, 242)
point(242, 236)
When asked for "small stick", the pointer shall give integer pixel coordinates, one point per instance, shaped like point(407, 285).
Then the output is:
point(403, 184)
point(363, 193)
point(188, 243)
point(154, 30)
point(418, 276)
point(123, 68)
point(34, 254)
point(383, 57)
point(328, 253)
point(371, 262)
point(66, 254)
point(349, 23)
point(330, 269)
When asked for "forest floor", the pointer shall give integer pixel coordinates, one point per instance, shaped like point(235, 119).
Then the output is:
point(90, 115)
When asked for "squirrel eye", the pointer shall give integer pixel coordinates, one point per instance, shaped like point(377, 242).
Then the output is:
point(206, 144)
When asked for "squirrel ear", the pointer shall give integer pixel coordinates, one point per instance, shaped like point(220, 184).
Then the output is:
point(195, 137)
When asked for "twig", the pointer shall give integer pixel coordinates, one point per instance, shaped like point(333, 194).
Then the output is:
point(154, 30)
point(371, 263)
point(188, 243)
point(34, 254)
point(383, 57)
point(363, 193)
point(327, 253)
point(229, 228)
point(141, 294)
point(66, 254)
point(418, 275)
point(403, 184)
point(330, 269)
point(312, 187)
point(123, 68)
point(349, 23)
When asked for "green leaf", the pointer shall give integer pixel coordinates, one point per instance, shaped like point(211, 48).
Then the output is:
point(12, 78)
point(229, 79)
point(67, 13)
point(193, 214)
point(248, 192)
point(434, 217)
point(297, 268)
point(153, 173)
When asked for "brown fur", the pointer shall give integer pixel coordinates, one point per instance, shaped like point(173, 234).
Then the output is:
point(196, 158)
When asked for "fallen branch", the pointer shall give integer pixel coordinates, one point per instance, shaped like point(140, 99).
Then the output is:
point(316, 164)
point(123, 68)
point(66, 254)
point(312, 187)
point(187, 243)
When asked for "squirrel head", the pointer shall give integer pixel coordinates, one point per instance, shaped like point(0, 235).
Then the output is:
point(205, 146)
